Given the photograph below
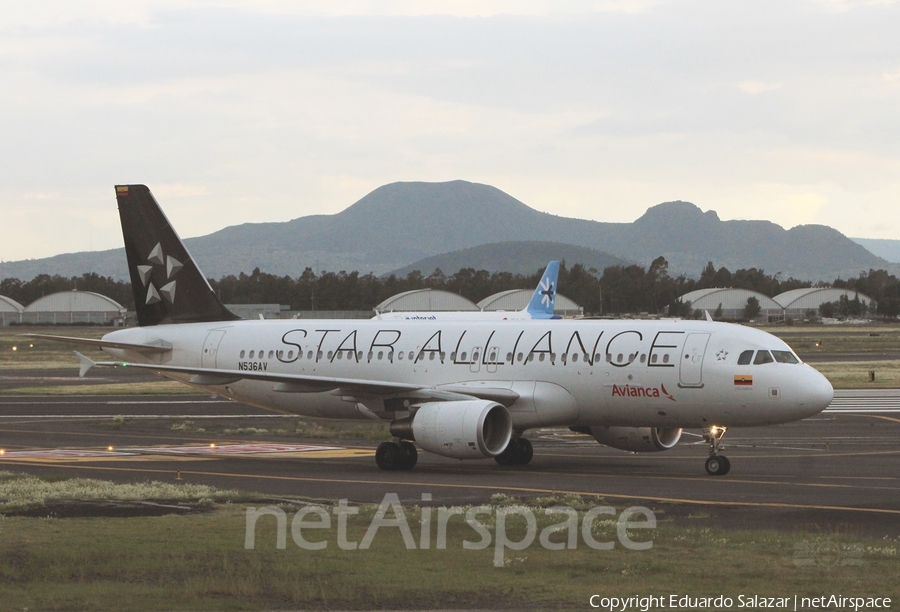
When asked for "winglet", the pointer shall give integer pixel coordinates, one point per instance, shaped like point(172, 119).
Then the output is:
point(708, 316)
point(544, 298)
point(86, 364)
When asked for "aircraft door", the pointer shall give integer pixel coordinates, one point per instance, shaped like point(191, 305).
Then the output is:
point(493, 357)
point(475, 364)
point(211, 348)
point(691, 373)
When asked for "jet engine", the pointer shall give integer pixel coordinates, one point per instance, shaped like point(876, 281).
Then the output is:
point(637, 439)
point(466, 429)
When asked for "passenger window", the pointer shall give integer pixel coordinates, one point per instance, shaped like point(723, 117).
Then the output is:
point(785, 357)
point(745, 358)
point(290, 354)
point(251, 354)
point(574, 357)
point(242, 354)
point(271, 354)
point(762, 357)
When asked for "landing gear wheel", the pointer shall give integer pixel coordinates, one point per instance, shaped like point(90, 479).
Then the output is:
point(717, 465)
point(519, 451)
point(408, 455)
point(527, 451)
point(507, 457)
point(726, 465)
point(388, 456)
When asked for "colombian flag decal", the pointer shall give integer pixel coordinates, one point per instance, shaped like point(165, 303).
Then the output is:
point(122, 190)
point(743, 380)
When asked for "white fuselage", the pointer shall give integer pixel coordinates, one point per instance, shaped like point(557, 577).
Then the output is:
point(668, 373)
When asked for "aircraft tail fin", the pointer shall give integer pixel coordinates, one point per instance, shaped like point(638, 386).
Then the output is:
point(167, 284)
point(544, 299)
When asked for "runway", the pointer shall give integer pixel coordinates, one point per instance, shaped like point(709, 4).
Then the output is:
point(840, 468)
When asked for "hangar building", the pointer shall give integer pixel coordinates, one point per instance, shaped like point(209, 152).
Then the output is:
point(517, 299)
point(71, 307)
point(733, 302)
point(10, 311)
point(798, 302)
point(421, 300)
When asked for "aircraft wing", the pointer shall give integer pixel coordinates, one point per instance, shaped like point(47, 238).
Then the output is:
point(144, 348)
point(303, 383)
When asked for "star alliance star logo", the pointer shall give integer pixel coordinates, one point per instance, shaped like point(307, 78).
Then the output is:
point(721, 355)
point(172, 265)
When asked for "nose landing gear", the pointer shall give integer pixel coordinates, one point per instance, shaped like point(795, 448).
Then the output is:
point(716, 464)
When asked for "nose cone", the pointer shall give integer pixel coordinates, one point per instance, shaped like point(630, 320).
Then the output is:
point(815, 393)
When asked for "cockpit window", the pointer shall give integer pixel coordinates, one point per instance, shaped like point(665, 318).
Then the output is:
point(762, 357)
point(785, 357)
point(745, 358)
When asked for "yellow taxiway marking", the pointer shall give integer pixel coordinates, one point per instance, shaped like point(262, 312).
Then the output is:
point(496, 487)
point(876, 416)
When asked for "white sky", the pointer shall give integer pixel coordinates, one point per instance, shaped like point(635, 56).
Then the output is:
point(235, 111)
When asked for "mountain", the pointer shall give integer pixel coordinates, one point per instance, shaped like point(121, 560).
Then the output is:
point(401, 223)
point(524, 257)
point(888, 249)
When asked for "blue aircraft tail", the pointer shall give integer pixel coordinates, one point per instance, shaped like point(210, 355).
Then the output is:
point(544, 299)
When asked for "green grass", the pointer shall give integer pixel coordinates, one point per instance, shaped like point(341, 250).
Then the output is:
point(199, 562)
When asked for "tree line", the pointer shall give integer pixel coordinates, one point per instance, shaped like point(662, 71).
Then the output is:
point(615, 290)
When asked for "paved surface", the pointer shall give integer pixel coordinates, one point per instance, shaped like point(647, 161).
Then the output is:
point(841, 468)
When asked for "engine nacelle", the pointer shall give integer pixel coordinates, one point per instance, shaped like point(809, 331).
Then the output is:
point(637, 439)
point(468, 429)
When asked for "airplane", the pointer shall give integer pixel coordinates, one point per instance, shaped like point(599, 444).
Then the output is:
point(541, 306)
point(459, 389)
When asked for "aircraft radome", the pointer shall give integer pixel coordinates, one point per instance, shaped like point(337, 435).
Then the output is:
point(461, 389)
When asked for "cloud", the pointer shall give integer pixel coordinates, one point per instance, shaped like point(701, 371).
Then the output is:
point(758, 87)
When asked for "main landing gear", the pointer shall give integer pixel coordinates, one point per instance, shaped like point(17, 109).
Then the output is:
point(396, 455)
point(519, 451)
point(716, 464)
